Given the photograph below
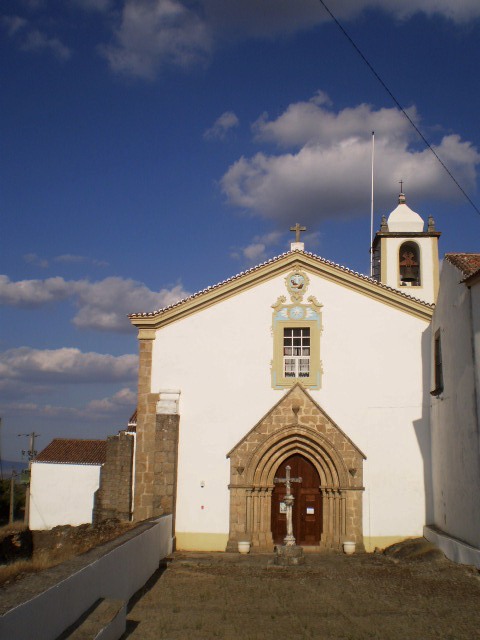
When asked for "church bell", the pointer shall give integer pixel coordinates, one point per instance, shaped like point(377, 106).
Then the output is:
point(409, 274)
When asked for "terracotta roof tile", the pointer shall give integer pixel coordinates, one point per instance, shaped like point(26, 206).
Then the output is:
point(62, 450)
point(468, 263)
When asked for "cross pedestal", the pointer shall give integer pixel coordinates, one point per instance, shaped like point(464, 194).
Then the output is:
point(289, 553)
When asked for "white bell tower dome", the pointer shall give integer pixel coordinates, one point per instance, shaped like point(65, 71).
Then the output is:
point(405, 257)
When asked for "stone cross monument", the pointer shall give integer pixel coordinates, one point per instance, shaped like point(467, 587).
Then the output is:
point(289, 539)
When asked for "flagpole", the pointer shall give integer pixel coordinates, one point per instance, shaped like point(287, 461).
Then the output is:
point(371, 209)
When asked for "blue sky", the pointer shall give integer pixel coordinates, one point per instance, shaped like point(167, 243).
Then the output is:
point(150, 148)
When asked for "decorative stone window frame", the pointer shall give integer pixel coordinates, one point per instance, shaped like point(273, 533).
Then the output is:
point(284, 318)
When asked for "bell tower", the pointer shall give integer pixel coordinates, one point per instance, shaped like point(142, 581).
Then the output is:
point(405, 257)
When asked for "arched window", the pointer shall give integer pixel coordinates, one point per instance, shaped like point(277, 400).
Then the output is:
point(409, 265)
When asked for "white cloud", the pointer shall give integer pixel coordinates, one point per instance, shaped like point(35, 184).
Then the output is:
point(150, 34)
point(65, 258)
point(218, 131)
point(282, 17)
point(102, 305)
point(65, 366)
point(33, 293)
point(14, 24)
point(124, 398)
point(105, 304)
point(30, 38)
point(311, 122)
point(70, 258)
point(258, 250)
point(94, 5)
point(118, 406)
point(328, 173)
point(153, 33)
point(36, 40)
point(33, 258)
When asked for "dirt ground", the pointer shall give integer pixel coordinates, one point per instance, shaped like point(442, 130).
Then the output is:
point(412, 593)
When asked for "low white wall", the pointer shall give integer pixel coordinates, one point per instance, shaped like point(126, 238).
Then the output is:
point(118, 575)
point(454, 549)
point(62, 494)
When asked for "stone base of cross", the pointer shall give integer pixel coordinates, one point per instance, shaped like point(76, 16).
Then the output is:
point(289, 539)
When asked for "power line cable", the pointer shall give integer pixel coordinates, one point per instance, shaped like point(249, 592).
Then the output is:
point(384, 85)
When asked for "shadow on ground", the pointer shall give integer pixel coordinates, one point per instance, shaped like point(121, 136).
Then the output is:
point(409, 592)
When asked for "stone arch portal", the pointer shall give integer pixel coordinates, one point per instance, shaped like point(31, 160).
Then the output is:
point(295, 426)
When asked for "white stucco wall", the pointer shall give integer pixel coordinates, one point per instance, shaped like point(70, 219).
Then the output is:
point(373, 387)
point(62, 494)
point(454, 414)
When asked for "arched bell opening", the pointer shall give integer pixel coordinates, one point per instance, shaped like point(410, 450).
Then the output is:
point(409, 264)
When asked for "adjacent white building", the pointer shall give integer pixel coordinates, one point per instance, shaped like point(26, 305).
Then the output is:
point(455, 404)
point(64, 479)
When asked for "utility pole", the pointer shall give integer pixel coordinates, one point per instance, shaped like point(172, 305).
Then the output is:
point(12, 497)
point(31, 455)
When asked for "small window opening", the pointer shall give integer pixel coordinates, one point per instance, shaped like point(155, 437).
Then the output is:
point(438, 366)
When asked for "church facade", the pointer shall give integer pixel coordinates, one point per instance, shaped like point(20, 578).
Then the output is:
point(299, 362)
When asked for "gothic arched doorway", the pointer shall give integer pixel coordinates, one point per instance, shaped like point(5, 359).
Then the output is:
point(298, 432)
point(307, 508)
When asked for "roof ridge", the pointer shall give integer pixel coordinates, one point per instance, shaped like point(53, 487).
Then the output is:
point(467, 263)
point(362, 276)
point(74, 451)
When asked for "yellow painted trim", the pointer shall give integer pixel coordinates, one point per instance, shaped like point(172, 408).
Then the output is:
point(382, 542)
point(436, 268)
point(295, 260)
point(190, 541)
point(383, 260)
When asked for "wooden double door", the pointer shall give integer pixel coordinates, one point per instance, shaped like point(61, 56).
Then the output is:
point(307, 507)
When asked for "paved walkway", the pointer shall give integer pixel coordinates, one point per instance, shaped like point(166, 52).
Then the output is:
point(332, 596)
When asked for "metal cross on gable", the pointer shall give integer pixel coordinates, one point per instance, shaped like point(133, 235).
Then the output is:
point(297, 228)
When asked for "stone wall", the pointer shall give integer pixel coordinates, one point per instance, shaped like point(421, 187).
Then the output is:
point(157, 440)
point(165, 464)
point(114, 496)
point(145, 446)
